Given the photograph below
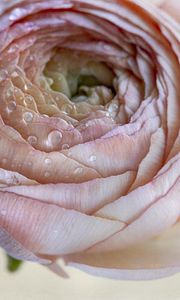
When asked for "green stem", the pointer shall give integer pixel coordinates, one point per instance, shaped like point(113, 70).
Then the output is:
point(13, 264)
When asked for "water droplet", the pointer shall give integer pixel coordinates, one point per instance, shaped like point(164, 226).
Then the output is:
point(65, 146)
point(47, 174)
point(9, 92)
point(107, 47)
point(54, 137)
point(31, 57)
point(93, 158)
point(29, 99)
point(13, 49)
point(50, 81)
point(78, 171)
point(30, 26)
point(16, 13)
point(16, 90)
point(14, 74)
point(32, 140)
point(3, 75)
point(15, 181)
point(107, 114)
point(11, 106)
point(4, 160)
point(45, 116)
point(25, 87)
point(113, 107)
point(57, 98)
point(66, 108)
point(3, 212)
point(29, 163)
point(87, 124)
point(28, 116)
point(9, 181)
point(48, 161)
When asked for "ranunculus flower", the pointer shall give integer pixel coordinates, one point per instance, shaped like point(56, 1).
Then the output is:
point(90, 135)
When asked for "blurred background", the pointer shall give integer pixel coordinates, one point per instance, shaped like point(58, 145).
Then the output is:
point(36, 282)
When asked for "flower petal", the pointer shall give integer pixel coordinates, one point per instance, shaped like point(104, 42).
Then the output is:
point(86, 197)
point(154, 259)
point(50, 230)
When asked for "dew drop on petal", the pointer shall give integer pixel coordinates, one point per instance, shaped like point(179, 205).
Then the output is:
point(16, 13)
point(78, 171)
point(16, 90)
point(3, 75)
point(113, 107)
point(25, 87)
point(107, 47)
point(92, 158)
point(9, 92)
point(47, 174)
point(9, 181)
point(29, 163)
point(28, 117)
point(31, 57)
point(66, 108)
point(11, 106)
point(32, 139)
point(13, 49)
point(50, 81)
point(54, 137)
point(48, 161)
point(28, 99)
point(57, 98)
point(87, 124)
point(107, 114)
point(65, 146)
point(14, 74)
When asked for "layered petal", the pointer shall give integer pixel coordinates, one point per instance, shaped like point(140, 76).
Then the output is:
point(153, 259)
point(90, 135)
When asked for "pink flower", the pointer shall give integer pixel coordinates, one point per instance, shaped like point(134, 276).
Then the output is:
point(90, 135)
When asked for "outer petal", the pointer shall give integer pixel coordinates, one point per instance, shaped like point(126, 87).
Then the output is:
point(135, 203)
point(86, 197)
point(51, 230)
point(150, 260)
point(17, 250)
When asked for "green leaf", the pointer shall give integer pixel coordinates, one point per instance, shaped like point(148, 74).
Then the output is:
point(13, 264)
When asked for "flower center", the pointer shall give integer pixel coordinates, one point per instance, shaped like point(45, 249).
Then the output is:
point(80, 78)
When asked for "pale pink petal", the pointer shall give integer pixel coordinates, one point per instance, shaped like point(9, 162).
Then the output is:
point(114, 155)
point(160, 216)
point(103, 175)
point(153, 161)
point(8, 178)
point(40, 166)
point(86, 197)
point(129, 207)
point(51, 230)
point(14, 248)
point(154, 259)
